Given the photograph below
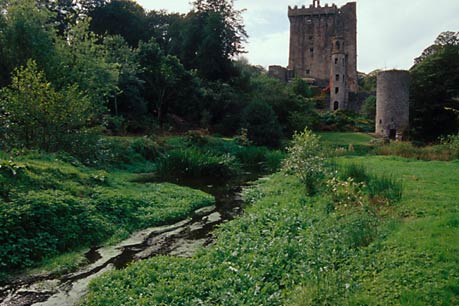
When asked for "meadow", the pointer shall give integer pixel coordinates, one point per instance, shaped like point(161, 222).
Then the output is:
point(293, 249)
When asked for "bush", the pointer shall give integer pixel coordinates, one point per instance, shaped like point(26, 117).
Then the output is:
point(369, 108)
point(384, 188)
point(262, 125)
point(36, 116)
point(451, 143)
point(306, 159)
point(192, 162)
point(445, 151)
point(146, 147)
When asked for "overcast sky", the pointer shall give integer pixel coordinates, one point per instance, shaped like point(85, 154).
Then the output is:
point(391, 33)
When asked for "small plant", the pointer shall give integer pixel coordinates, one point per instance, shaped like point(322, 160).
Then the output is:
point(355, 171)
point(243, 138)
point(192, 162)
point(306, 159)
point(346, 193)
point(385, 187)
point(451, 142)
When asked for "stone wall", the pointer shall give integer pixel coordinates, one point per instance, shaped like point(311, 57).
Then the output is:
point(278, 72)
point(392, 103)
point(312, 30)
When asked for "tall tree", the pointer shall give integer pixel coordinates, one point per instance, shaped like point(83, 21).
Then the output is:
point(447, 38)
point(129, 98)
point(214, 34)
point(435, 90)
point(26, 34)
point(120, 17)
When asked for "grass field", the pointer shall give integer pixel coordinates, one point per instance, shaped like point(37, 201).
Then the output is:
point(289, 249)
point(416, 260)
point(339, 138)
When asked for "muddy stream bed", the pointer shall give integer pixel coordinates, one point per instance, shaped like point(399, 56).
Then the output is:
point(183, 238)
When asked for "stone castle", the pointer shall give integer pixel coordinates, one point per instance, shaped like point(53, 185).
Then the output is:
point(323, 50)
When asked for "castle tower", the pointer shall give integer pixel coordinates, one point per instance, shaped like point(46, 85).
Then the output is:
point(392, 103)
point(339, 94)
point(313, 31)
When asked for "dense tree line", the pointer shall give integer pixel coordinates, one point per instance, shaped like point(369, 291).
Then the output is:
point(137, 71)
point(435, 89)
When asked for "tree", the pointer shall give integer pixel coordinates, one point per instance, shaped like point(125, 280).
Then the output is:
point(447, 38)
point(166, 79)
point(167, 29)
point(129, 97)
point(84, 61)
point(120, 17)
point(25, 34)
point(233, 33)
point(261, 123)
point(369, 108)
point(214, 34)
point(435, 91)
point(37, 116)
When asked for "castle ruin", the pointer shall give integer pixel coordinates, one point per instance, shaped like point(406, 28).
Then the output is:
point(392, 103)
point(323, 48)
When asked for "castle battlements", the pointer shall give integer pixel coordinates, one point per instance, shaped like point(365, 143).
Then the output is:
point(316, 9)
point(311, 10)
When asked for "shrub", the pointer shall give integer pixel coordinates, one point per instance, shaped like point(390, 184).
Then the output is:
point(346, 193)
point(451, 142)
point(262, 124)
point(36, 116)
point(384, 188)
point(306, 159)
point(369, 108)
point(192, 162)
point(146, 147)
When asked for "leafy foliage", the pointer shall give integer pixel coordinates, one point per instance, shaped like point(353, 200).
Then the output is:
point(306, 159)
point(48, 207)
point(36, 116)
point(261, 123)
point(434, 91)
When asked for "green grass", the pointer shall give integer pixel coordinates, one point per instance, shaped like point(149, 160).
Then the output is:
point(290, 249)
point(343, 138)
point(49, 207)
point(416, 262)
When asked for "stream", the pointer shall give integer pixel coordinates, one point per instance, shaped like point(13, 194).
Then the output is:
point(183, 238)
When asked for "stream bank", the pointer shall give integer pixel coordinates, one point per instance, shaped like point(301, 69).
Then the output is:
point(183, 238)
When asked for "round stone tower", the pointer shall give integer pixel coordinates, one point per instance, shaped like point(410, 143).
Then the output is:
point(392, 103)
point(338, 80)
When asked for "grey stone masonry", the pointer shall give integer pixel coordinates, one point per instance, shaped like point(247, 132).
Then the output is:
point(392, 103)
point(313, 34)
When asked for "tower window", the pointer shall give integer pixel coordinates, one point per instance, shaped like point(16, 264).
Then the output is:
point(337, 77)
point(307, 71)
point(335, 105)
point(336, 61)
point(336, 90)
point(310, 37)
point(338, 45)
point(311, 50)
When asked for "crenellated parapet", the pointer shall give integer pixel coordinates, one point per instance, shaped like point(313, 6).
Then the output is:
point(312, 10)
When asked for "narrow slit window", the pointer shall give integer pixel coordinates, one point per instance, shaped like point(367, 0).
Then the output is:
point(336, 61)
point(337, 77)
point(307, 71)
point(336, 90)
point(335, 105)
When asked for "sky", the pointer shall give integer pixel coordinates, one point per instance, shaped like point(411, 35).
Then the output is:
point(390, 33)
